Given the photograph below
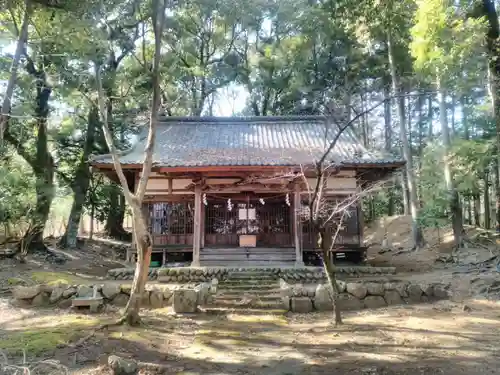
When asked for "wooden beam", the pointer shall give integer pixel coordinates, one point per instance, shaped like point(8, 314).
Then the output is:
point(197, 227)
point(297, 225)
point(170, 184)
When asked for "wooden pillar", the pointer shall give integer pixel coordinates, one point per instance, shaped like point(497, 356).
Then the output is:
point(197, 226)
point(297, 225)
point(202, 229)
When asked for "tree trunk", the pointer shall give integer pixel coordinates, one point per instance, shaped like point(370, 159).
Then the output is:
point(486, 201)
point(114, 222)
point(429, 119)
point(477, 210)
point(469, 210)
point(388, 141)
point(22, 41)
point(81, 183)
point(453, 198)
point(42, 162)
point(418, 238)
point(33, 238)
point(492, 40)
point(144, 249)
point(329, 270)
point(141, 234)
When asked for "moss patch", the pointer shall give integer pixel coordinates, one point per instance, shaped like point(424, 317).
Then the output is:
point(41, 337)
point(54, 278)
point(15, 281)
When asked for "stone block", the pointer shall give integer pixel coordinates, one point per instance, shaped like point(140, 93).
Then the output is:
point(156, 299)
point(84, 291)
point(374, 302)
point(322, 298)
point(301, 305)
point(57, 294)
point(358, 290)
point(348, 302)
point(120, 300)
point(110, 291)
point(392, 297)
point(341, 286)
point(375, 289)
point(64, 304)
point(122, 366)
point(440, 292)
point(145, 302)
point(203, 291)
point(427, 289)
point(414, 293)
point(25, 292)
point(185, 300)
point(41, 299)
point(286, 303)
point(69, 292)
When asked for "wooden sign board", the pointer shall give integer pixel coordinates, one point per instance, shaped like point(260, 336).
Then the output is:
point(248, 240)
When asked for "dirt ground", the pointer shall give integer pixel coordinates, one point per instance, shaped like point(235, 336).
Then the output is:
point(459, 336)
point(438, 338)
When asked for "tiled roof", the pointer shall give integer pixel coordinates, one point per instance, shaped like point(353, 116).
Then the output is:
point(252, 141)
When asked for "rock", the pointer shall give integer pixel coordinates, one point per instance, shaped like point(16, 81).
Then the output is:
point(25, 292)
point(122, 366)
point(57, 294)
point(203, 291)
point(341, 286)
point(145, 302)
point(392, 297)
point(400, 287)
point(185, 300)
point(414, 293)
point(358, 290)
point(374, 302)
point(301, 305)
point(440, 292)
point(286, 290)
point(322, 298)
point(110, 291)
point(466, 308)
point(156, 299)
point(348, 302)
point(375, 289)
point(120, 300)
point(84, 291)
point(310, 290)
point(64, 304)
point(69, 292)
point(167, 293)
point(41, 299)
point(427, 289)
point(126, 289)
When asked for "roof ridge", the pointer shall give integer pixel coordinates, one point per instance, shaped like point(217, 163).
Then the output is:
point(238, 119)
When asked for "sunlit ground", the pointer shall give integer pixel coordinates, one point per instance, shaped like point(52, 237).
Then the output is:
point(435, 338)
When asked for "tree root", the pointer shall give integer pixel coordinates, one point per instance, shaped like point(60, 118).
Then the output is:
point(102, 327)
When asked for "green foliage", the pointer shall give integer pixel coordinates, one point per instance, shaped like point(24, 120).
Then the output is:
point(17, 197)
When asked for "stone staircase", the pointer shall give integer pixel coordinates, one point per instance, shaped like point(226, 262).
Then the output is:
point(249, 288)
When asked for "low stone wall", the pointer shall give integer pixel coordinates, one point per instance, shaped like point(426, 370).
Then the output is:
point(358, 295)
point(156, 296)
point(293, 275)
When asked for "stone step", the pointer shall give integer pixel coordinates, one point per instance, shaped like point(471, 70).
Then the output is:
point(250, 282)
point(262, 295)
point(223, 286)
point(229, 303)
point(252, 273)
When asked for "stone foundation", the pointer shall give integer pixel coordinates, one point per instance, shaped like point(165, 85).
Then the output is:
point(358, 295)
point(309, 275)
point(155, 296)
